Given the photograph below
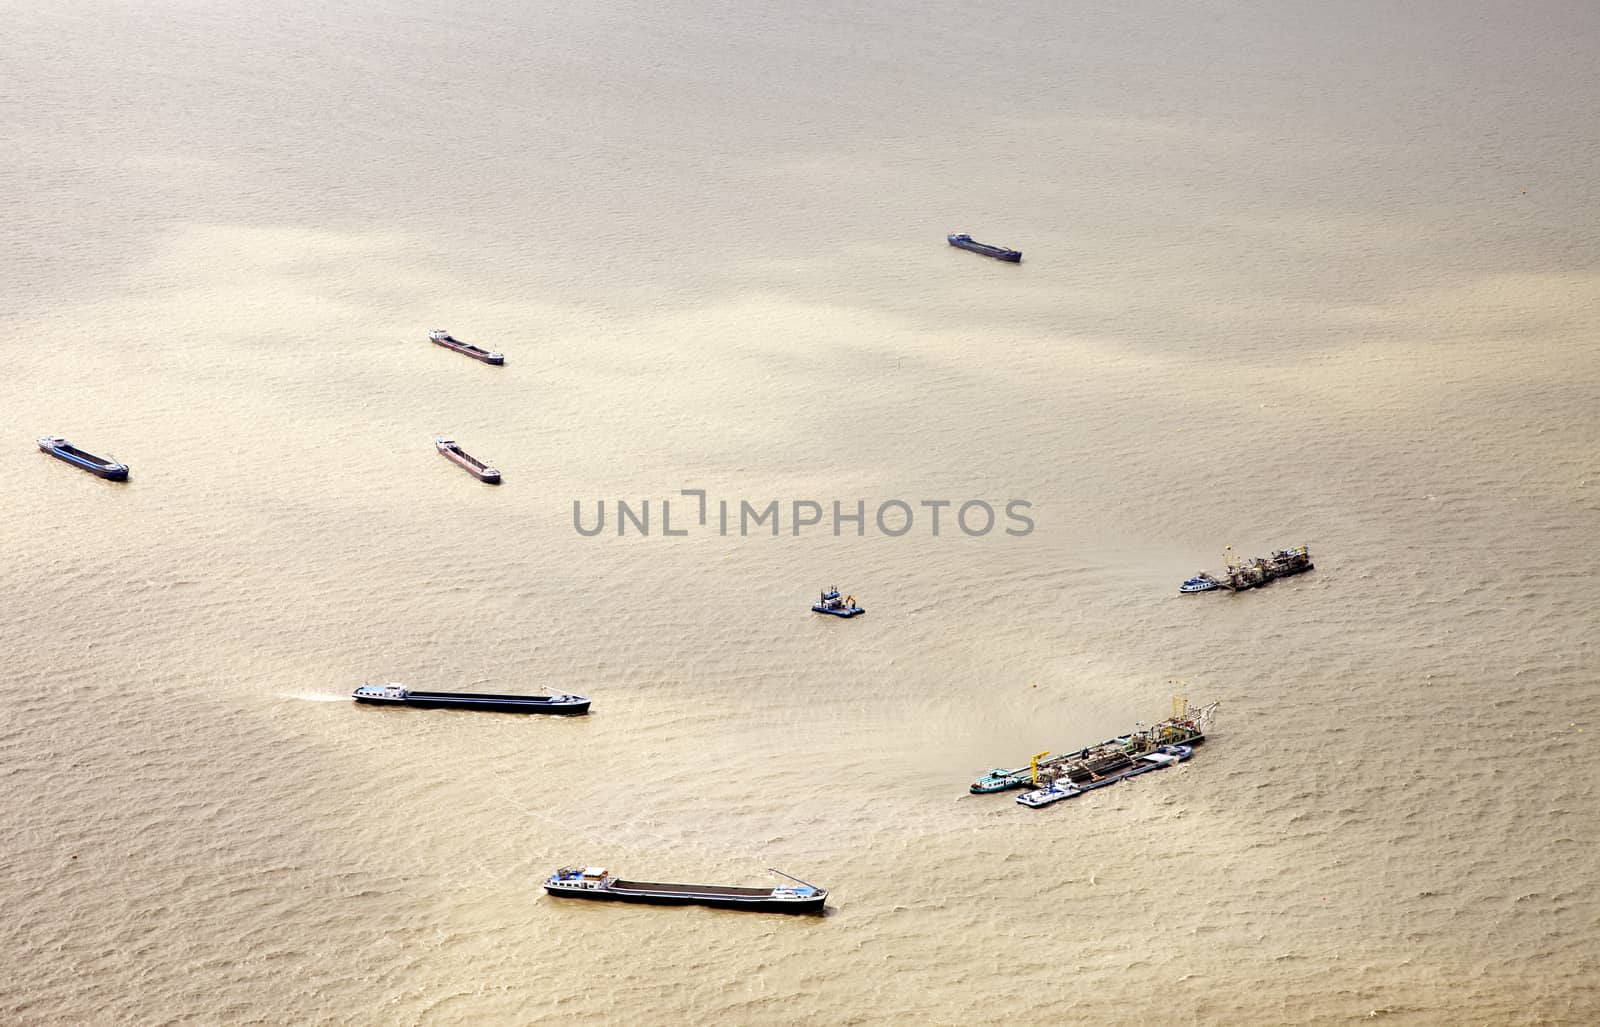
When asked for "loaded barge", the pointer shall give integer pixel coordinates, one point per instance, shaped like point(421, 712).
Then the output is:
point(61, 449)
point(399, 695)
point(1242, 574)
point(597, 883)
point(966, 242)
point(443, 338)
point(455, 454)
point(1186, 727)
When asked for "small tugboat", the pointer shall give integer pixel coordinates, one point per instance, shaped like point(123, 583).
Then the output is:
point(1067, 785)
point(399, 695)
point(596, 883)
point(1185, 727)
point(1201, 582)
point(965, 242)
point(831, 603)
point(455, 454)
point(61, 449)
point(448, 341)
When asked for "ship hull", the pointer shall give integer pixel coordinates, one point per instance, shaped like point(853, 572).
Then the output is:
point(751, 904)
point(997, 252)
point(98, 470)
point(487, 475)
point(485, 703)
point(97, 466)
point(471, 351)
point(1276, 575)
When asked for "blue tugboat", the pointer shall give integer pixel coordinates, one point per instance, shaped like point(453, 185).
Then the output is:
point(831, 603)
point(965, 242)
point(597, 883)
point(61, 449)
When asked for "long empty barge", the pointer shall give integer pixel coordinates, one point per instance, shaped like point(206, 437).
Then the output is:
point(61, 449)
point(399, 695)
point(443, 338)
point(453, 452)
point(597, 883)
point(966, 242)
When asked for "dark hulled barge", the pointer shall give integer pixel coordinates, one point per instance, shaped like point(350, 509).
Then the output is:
point(597, 883)
point(966, 242)
point(399, 695)
point(100, 466)
point(453, 452)
point(443, 338)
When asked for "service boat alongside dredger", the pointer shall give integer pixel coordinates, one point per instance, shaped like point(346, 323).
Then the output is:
point(597, 883)
point(453, 452)
point(1186, 727)
point(966, 242)
point(61, 449)
point(443, 338)
point(399, 695)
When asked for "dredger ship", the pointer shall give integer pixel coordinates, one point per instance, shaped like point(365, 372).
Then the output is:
point(1242, 574)
point(1186, 727)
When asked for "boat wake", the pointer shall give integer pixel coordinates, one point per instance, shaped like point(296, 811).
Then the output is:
point(314, 697)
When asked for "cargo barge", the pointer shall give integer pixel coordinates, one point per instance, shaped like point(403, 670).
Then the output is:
point(966, 242)
point(453, 452)
point(399, 695)
point(100, 466)
point(597, 883)
point(443, 338)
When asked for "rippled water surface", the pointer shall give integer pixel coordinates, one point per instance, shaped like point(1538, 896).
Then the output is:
point(1315, 274)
